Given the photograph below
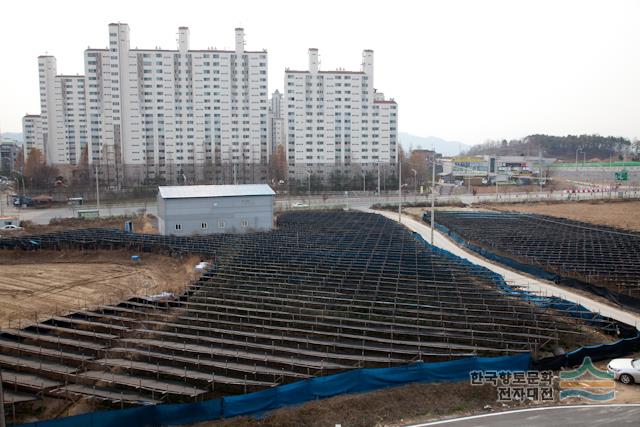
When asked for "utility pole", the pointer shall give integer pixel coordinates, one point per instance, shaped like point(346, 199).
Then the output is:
point(235, 175)
point(378, 179)
point(97, 191)
point(2, 419)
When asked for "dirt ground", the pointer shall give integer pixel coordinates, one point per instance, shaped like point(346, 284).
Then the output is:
point(380, 408)
point(35, 285)
point(621, 214)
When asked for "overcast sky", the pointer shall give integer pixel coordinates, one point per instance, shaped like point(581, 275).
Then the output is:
point(460, 70)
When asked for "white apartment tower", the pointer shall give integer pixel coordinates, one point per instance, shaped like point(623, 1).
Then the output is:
point(177, 115)
point(337, 120)
point(276, 122)
point(155, 115)
point(60, 129)
point(32, 133)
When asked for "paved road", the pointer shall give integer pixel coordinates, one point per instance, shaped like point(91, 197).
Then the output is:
point(357, 201)
point(536, 285)
point(566, 416)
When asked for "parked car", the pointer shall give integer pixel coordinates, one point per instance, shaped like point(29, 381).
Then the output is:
point(10, 227)
point(299, 205)
point(627, 371)
point(22, 200)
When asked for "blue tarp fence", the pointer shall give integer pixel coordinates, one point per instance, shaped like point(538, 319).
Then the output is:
point(354, 381)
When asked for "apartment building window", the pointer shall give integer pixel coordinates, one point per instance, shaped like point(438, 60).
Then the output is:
point(221, 223)
point(204, 226)
point(178, 226)
point(244, 223)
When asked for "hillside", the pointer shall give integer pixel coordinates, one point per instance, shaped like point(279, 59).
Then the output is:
point(561, 147)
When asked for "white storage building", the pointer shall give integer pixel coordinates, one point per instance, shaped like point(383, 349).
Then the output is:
point(206, 209)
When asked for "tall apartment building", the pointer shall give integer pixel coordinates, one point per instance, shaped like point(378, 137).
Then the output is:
point(336, 120)
point(32, 133)
point(154, 115)
point(60, 129)
point(177, 115)
point(276, 122)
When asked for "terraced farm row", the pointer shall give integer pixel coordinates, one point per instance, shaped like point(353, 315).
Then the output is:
point(324, 292)
point(599, 255)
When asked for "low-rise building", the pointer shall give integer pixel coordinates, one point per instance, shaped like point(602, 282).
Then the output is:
point(8, 157)
point(207, 209)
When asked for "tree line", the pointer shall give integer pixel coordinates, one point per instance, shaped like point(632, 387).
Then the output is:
point(561, 147)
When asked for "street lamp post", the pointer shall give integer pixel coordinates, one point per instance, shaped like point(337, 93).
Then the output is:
point(578, 150)
point(309, 186)
point(97, 192)
point(433, 193)
point(364, 182)
point(415, 182)
point(399, 190)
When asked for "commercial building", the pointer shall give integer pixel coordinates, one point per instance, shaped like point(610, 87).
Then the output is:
point(205, 209)
point(490, 168)
point(156, 115)
point(337, 120)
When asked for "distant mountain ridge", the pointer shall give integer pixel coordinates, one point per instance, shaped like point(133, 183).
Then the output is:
point(447, 148)
point(11, 136)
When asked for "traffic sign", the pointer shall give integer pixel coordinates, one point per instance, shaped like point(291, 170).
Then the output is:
point(622, 175)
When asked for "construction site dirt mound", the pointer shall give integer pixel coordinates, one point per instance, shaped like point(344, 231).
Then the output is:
point(37, 285)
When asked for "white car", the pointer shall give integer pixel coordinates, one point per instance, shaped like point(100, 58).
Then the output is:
point(627, 371)
point(300, 205)
point(10, 227)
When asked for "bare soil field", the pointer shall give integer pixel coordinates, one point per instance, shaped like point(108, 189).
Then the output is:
point(621, 214)
point(35, 285)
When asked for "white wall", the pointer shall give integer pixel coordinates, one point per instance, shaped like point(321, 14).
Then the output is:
point(190, 214)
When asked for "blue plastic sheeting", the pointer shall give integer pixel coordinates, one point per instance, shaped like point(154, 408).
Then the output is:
point(604, 351)
point(354, 381)
point(595, 352)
